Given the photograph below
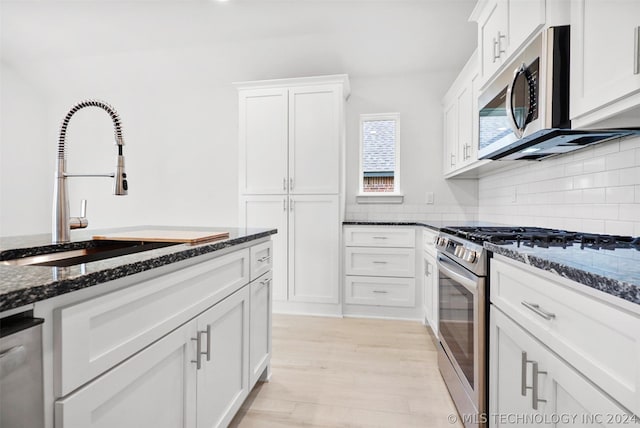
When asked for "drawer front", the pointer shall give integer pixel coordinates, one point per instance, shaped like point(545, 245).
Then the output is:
point(99, 333)
point(375, 291)
point(428, 241)
point(261, 259)
point(599, 340)
point(380, 237)
point(398, 262)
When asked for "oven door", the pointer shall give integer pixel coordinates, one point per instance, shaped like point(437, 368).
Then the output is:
point(462, 327)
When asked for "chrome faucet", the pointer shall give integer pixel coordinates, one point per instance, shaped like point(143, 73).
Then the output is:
point(62, 223)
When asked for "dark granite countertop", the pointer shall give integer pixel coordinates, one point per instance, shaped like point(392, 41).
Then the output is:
point(22, 285)
point(615, 272)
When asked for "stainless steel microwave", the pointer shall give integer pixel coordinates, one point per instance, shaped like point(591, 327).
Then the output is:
point(524, 112)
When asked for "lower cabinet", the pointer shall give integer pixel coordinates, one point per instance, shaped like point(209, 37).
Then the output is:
point(154, 388)
point(531, 386)
point(260, 328)
point(430, 292)
point(198, 375)
point(223, 356)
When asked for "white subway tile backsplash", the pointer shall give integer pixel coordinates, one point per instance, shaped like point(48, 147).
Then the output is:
point(598, 191)
point(594, 165)
point(594, 196)
point(620, 160)
point(630, 212)
point(614, 227)
point(620, 195)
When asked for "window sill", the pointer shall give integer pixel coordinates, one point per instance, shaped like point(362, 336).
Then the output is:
point(380, 198)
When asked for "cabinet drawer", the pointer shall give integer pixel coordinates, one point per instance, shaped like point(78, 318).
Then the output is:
point(99, 333)
point(428, 241)
point(379, 237)
point(362, 290)
point(380, 261)
point(599, 340)
point(261, 259)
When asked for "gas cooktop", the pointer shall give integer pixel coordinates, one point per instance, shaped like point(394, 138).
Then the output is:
point(541, 237)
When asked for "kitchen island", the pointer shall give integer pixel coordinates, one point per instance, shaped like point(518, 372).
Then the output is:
point(164, 337)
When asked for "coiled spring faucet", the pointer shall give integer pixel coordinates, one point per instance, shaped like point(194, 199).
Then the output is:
point(62, 223)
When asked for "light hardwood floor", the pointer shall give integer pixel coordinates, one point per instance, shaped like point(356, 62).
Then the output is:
point(334, 372)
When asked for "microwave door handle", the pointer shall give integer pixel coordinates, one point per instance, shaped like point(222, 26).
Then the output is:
point(510, 113)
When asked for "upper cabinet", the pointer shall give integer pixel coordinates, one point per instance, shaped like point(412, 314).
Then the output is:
point(605, 61)
point(291, 135)
point(503, 27)
point(460, 120)
point(507, 26)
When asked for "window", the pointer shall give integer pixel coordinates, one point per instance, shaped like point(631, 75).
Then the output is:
point(380, 154)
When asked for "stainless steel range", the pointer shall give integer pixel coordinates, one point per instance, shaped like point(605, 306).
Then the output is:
point(462, 267)
point(463, 286)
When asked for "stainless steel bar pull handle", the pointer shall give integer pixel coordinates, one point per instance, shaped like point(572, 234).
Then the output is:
point(291, 183)
point(523, 374)
point(380, 291)
point(264, 259)
point(636, 50)
point(535, 386)
point(198, 359)
point(379, 262)
point(495, 45)
point(539, 311)
point(284, 183)
point(380, 237)
point(291, 205)
point(265, 282)
point(500, 37)
point(453, 161)
point(284, 204)
point(208, 342)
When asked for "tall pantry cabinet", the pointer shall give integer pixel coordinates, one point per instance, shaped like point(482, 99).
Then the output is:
point(291, 154)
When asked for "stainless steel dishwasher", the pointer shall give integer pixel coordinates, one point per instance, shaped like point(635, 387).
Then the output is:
point(21, 392)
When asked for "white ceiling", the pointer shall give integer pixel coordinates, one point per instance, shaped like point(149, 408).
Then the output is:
point(285, 37)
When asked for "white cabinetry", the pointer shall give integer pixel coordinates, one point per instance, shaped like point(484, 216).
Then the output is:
point(223, 375)
point(532, 383)
point(583, 337)
point(605, 61)
point(260, 329)
point(504, 26)
point(461, 121)
point(380, 267)
point(305, 255)
point(156, 387)
point(430, 280)
point(181, 350)
point(291, 178)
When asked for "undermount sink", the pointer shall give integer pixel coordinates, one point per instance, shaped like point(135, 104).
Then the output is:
point(102, 250)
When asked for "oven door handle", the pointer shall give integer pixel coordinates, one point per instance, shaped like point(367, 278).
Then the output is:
point(466, 279)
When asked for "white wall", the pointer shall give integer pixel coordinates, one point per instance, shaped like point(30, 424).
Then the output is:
point(26, 163)
point(417, 98)
point(596, 189)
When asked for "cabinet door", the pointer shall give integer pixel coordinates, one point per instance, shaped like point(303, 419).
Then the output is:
point(314, 247)
point(512, 353)
point(450, 137)
point(263, 141)
point(273, 212)
point(603, 61)
point(154, 388)
point(223, 378)
point(526, 17)
point(465, 119)
point(431, 292)
point(314, 139)
point(494, 38)
point(260, 330)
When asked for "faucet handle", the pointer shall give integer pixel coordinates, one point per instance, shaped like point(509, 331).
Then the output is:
point(80, 222)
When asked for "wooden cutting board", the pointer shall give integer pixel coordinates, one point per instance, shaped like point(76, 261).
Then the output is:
point(153, 235)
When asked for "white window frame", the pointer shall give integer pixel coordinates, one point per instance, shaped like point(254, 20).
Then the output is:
point(380, 197)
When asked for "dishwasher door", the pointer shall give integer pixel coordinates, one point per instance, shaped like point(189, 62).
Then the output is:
point(21, 391)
